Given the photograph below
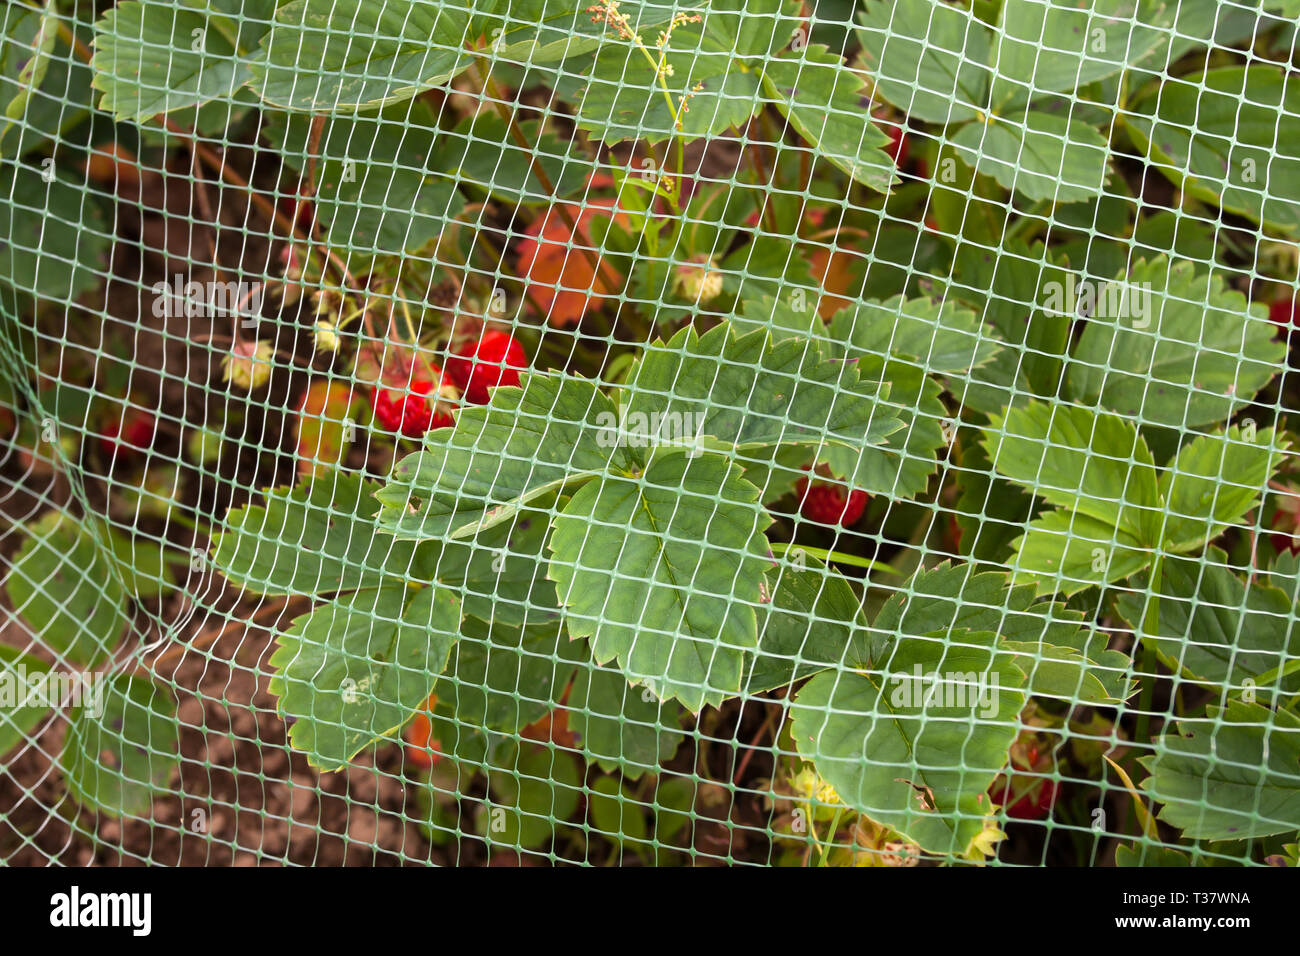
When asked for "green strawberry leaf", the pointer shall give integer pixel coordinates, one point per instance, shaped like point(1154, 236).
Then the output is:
point(942, 336)
point(991, 511)
point(501, 574)
point(767, 265)
point(917, 762)
point(619, 96)
point(346, 55)
point(1200, 23)
point(480, 153)
point(542, 32)
point(1214, 481)
point(1194, 355)
point(315, 538)
point(152, 59)
point(319, 538)
point(31, 55)
point(119, 754)
point(821, 99)
point(1214, 627)
point(500, 680)
point(1116, 512)
point(1097, 465)
point(928, 59)
point(353, 671)
point(1049, 46)
point(377, 192)
point(54, 241)
point(1149, 855)
point(781, 318)
point(752, 29)
point(19, 714)
point(44, 97)
point(1063, 656)
point(1100, 472)
point(711, 75)
point(67, 590)
point(662, 569)
point(902, 466)
point(619, 816)
point(1039, 155)
point(1006, 287)
point(622, 727)
point(1068, 551)
point(533, 789)
point(750, 393)
point(1227, 136)
point(1232, 775)
point(811, 620)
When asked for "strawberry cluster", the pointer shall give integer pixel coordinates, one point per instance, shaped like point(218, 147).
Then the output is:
point(429, 399)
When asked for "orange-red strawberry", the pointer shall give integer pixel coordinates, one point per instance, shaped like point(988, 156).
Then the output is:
point(552, 728)
point(829, 501)
point(421, 747)
point(417, 408)
point(565, 274)
point(478, 366)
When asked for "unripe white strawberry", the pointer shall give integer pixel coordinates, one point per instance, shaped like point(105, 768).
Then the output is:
point(248, 365)
point(699, 281)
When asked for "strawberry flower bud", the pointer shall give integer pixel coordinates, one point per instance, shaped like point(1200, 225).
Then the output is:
point(327, 336)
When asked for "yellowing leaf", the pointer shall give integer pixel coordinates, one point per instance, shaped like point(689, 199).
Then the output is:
point(324, 427)
point(561, 271)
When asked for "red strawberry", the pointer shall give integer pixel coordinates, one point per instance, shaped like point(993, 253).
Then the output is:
point(1024, 797)
point(299, 210)
point(898, 146)
point(1286, 537)
point(1285, 312)
point(128, 432)
point(409, 411)
point(826, 501)
point(1023, 790)
point(484, 364)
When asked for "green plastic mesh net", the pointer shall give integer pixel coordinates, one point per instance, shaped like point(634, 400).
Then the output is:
point(842, 433)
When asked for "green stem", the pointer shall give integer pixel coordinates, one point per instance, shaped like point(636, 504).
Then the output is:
point(1277, 673)
point(839, 557)
point(825, 848)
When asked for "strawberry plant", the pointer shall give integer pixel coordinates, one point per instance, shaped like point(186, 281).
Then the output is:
point(570, 381)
